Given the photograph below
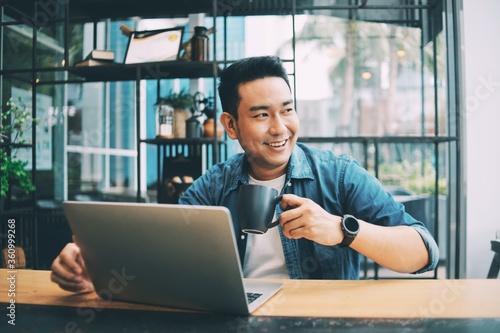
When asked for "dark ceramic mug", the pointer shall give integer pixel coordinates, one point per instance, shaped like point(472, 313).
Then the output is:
point(257, 204)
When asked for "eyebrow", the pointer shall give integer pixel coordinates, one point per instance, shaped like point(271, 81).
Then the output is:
point(267, 107)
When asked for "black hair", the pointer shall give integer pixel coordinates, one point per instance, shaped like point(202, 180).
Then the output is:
point(243, 71)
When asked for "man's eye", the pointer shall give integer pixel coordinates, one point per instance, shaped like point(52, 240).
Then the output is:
point(260, 115)
point(289, 110)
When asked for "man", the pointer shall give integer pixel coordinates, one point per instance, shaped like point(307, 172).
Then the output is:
point(335, 209)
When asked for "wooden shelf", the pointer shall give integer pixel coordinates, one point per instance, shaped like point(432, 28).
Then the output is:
point(146, 71)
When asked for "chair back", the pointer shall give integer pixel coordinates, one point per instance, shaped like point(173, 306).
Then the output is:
point(495, 264)
point(14, 258)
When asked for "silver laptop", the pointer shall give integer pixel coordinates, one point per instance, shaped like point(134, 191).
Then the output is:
point(171, 255)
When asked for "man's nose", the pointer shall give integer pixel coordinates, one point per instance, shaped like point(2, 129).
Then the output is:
point(278, 126)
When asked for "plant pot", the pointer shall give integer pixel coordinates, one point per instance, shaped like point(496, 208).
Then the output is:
point(180, 117)
point(208, 129)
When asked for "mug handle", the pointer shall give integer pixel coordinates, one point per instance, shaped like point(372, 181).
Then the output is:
point(275, 223)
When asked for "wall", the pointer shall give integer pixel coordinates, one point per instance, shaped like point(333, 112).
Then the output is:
point(481, 64)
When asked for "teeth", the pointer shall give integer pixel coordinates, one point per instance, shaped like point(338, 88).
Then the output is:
point(277, 144)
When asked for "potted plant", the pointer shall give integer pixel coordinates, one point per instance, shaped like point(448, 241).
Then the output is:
point(181, 102)
point(15, 121)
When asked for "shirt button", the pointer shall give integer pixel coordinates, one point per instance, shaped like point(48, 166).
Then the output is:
point(242, 236)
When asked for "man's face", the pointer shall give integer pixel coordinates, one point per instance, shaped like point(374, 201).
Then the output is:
point(267, 126)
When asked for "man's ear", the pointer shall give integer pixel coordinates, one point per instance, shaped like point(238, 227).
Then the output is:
point(229, 123)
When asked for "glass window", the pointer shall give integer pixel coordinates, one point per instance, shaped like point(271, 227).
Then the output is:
point(17, 48)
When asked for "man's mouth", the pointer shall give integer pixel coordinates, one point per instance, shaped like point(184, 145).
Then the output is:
point(277, 144)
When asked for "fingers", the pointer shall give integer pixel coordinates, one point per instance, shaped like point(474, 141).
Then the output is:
point(295, 233)
point(290, 219)
point(79, 284)
point(69, 259)
point(289, 201)
point(68, 270)
point(295, 229)
point(292, 212)
point(308, 220)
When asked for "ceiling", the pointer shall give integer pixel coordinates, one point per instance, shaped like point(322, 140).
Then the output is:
point(406, 12)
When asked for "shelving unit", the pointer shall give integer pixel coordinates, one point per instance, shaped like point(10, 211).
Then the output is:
point(167, 149)
point(90, 11)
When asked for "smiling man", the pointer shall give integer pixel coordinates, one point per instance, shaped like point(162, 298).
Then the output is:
point(327, 193)
point(335, 209)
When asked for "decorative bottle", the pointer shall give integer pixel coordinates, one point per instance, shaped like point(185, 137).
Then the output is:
point(199, 44)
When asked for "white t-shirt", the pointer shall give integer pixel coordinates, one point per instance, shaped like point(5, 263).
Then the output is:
point(264, 257)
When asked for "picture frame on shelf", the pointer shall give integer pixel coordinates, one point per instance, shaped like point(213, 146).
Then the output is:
point(154, 45)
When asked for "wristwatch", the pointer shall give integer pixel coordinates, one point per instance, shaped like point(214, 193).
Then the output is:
point(350, 227)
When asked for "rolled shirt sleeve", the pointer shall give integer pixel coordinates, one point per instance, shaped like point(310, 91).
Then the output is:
point(432, 249)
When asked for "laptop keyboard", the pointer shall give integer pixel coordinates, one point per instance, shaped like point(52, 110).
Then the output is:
point(252, 297)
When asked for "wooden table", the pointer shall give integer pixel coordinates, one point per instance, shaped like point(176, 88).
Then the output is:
point(302, 305)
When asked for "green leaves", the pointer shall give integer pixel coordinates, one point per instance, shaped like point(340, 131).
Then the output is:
point(13, 169)
point(180, 100)
point(14, 122)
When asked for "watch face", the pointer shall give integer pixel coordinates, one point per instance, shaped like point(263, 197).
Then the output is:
point(351, 224)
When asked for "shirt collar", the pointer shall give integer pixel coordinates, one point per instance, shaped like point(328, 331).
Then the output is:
point(298, 167)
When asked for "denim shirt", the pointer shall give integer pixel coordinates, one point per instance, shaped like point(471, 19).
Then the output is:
point(337, 183)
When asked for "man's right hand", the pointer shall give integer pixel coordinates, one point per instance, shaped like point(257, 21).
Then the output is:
point(69, 272)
